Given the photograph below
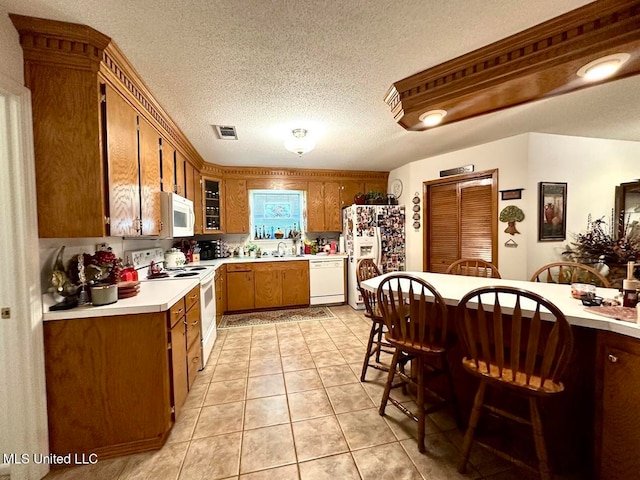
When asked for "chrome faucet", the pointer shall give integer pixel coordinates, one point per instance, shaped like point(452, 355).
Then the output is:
point(283, 249)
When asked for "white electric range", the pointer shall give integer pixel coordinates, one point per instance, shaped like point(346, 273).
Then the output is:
point(142, 260)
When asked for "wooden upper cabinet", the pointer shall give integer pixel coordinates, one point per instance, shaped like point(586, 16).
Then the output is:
point(168, 155)
point(189, 186)
point(315, 207)
point(213, 204)
point(348, 190)
point(323, 207)
point(193, 191)
point(85, 96)
point(236, 219)
point(198, 203)
point(148, 142)
point(121, 140)
point(332, 208)
point(180, 166)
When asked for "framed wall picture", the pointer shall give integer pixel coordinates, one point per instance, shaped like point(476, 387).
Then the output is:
point(552, 208)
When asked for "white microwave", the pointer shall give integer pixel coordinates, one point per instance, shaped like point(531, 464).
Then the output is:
point(178, 216)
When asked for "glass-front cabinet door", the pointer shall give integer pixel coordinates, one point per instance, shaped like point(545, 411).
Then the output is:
point(628, 210)
point(212, 205)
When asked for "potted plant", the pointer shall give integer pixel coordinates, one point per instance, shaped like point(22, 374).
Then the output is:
point(375, 197)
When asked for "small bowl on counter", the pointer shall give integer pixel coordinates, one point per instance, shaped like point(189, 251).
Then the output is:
point(104, 294)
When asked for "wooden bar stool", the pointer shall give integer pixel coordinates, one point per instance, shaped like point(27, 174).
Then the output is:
point(569, 272)
point(365, 270)
point(415, 315)
point(513, 350)
point(473, 267)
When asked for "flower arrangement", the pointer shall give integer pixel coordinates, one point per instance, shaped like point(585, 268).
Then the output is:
point(598, 246)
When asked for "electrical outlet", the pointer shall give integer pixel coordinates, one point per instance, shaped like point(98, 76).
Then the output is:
point(6, 313)
point(102, 247)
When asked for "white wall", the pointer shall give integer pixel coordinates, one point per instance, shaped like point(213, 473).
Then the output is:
point(10, 50)
point(591, 167)
point(509, 155)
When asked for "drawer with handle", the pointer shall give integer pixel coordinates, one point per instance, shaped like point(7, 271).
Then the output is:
point(192, 297)
point(177, 312)
point(192, 321)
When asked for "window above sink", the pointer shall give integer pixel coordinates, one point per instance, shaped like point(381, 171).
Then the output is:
point(276, 213)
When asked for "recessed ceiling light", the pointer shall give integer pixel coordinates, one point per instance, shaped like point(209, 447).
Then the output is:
point(603, 67)
point(432, 117)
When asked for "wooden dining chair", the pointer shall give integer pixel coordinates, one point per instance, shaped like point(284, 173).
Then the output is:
point(510, 347)
point(569, 272)
point(415, 315)
point(473, 267)
point(365, 270)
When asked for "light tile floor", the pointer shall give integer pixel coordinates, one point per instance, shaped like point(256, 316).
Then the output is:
point(284, 402)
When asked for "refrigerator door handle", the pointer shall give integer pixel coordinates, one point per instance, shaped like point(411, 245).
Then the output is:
point(378, 247)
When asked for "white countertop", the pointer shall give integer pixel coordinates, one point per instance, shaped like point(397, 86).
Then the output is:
point(154, 296)
point(454, 287)
point(159, 296)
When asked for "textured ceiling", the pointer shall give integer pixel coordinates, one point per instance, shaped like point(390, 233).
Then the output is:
point(269, 66)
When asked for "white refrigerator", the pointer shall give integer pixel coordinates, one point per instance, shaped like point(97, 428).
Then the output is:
point(376, 232)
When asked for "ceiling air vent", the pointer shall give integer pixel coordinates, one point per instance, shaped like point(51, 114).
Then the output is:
point(226, 132)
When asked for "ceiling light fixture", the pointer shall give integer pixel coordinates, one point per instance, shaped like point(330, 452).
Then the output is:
point(300, 143)
point(603, 67)
point(432, 117)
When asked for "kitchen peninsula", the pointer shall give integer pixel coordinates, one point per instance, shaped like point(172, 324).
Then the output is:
point(594, 418)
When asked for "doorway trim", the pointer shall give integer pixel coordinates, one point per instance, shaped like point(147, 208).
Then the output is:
point(21, 335)
point(493, 175)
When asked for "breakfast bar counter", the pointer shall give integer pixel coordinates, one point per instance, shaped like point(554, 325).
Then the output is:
point(593, 428)
point(454, 287)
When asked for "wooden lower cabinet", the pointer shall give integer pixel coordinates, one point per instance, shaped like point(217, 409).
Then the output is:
point(617, 400)
point(268, 287)
point(186, 349)
point(179, 375)
point(108, 384)
point(263, 285)
point(115, 384)
point(240, 288)
point(295, 283)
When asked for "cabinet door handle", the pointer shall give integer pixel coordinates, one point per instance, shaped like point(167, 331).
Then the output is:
point(612, 358)
point(193, 297)
point(195, 322)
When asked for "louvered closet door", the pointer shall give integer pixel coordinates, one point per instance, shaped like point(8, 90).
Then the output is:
point(444, 229)
point(476, 219)
point(461, 222)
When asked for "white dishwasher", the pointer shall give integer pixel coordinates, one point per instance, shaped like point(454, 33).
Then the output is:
point(326, 280)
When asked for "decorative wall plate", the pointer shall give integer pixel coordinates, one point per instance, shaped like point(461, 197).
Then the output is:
point(416, 199)
point(416, 208)
point(396, 187)
point(416, 216)
point(416, 225)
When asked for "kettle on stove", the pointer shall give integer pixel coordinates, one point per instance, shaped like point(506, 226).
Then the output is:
point(174, 258)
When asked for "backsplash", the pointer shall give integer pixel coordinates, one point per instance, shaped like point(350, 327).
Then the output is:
point(73, 246)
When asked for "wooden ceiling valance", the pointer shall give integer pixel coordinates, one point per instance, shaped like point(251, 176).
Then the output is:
point(536, 63)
